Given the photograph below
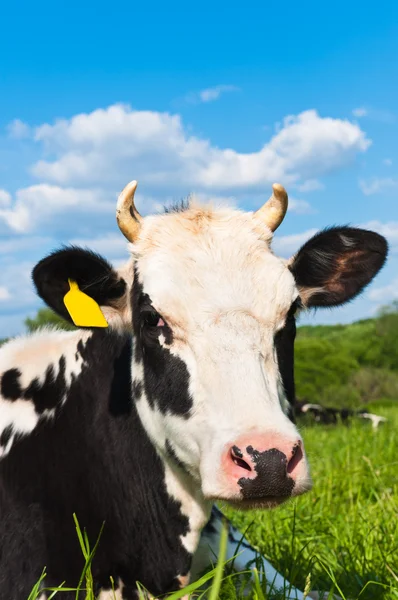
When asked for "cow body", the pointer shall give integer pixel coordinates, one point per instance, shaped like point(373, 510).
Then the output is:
point(89, 455)
point(184, 400)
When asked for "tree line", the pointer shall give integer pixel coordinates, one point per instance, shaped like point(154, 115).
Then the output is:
point(335, 365)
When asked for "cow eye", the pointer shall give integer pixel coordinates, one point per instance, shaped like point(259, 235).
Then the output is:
point(151, 318)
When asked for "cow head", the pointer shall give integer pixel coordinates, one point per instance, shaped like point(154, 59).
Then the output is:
point(212, 313)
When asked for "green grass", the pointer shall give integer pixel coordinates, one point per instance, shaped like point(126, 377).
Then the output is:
point(346, 528)
point(341, 537)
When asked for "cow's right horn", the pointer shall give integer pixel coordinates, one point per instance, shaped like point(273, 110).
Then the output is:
point(127, 216)
point(273, 211)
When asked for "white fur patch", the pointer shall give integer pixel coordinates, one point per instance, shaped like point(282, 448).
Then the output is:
point(213, 279)
point(375, 419)
point(309, 406)
point(116, 594)
point(32, 356)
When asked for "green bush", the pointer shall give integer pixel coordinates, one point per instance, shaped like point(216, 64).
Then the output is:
point(349, 365)
point(45, 316)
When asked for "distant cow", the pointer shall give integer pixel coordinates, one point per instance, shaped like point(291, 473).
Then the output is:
point(182, 401)
point(331, 416)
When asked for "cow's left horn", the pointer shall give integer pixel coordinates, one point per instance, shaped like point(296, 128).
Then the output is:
point(127, 216)
point(274, 210)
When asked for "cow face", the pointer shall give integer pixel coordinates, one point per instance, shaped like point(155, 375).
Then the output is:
point(212, 313)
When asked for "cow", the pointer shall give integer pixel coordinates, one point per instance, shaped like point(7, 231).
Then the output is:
point(331, 416)
point(182, 399)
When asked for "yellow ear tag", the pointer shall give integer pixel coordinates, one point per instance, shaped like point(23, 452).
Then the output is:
point(83, 310)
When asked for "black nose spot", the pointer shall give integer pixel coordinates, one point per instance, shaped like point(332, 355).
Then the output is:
point(272, 478)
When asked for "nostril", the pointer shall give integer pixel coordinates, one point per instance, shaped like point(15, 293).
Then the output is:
point(297, 455)
point(236, 456)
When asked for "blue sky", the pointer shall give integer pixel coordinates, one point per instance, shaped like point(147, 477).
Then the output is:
point(216, 98)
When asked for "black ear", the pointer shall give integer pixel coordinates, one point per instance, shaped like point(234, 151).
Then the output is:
point(93, 274)
point(337, 264)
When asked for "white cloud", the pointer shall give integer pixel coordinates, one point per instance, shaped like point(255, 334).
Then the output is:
point(300, 207)
point(110, 147)
point(18, 130)
point(386, 293)
point(375, 114)
point(34, 205)
point(311, 185)
point(87, 159)
point(96, 154)
point(4, 293)
point(387, 162)
point(110, 245)
point(287, 245)
point(15, 278)
point(210, 94)
point(26, 244)
point(378, 185)
point(361, 111)
point(389, 230)
point(5, 199)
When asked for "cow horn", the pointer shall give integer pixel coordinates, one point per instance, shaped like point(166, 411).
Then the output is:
point(274, 210)
point(127, 216)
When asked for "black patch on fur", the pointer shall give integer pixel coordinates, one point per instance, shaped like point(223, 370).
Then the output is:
point(50, 393)
point(45, 394)
point(166, 377)
point(284, 346)
point(93, 274)
point(325, 415)
point(272, 478)
point(341, 261)
point(10, 386)
point(130, 593)
point(80, 348)
point(137, 390)
point(6, 435)
point(96, 460)
point(120, 394)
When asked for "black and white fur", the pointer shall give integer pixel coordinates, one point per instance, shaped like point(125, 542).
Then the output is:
point(126, 426)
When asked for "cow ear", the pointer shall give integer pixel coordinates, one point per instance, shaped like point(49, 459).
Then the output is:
point(337, 264)
point(92, 273)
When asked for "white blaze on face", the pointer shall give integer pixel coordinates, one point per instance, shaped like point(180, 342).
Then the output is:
point(214, 280)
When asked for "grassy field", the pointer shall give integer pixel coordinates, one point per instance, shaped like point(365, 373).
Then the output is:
point(343, 535)
point(345, 530)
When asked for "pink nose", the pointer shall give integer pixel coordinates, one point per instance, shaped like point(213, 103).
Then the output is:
point(264, 465)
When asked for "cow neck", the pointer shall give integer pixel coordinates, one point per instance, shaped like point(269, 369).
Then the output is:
point(178, 494)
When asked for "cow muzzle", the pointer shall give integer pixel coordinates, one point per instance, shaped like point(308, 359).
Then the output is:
point(262, 471)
